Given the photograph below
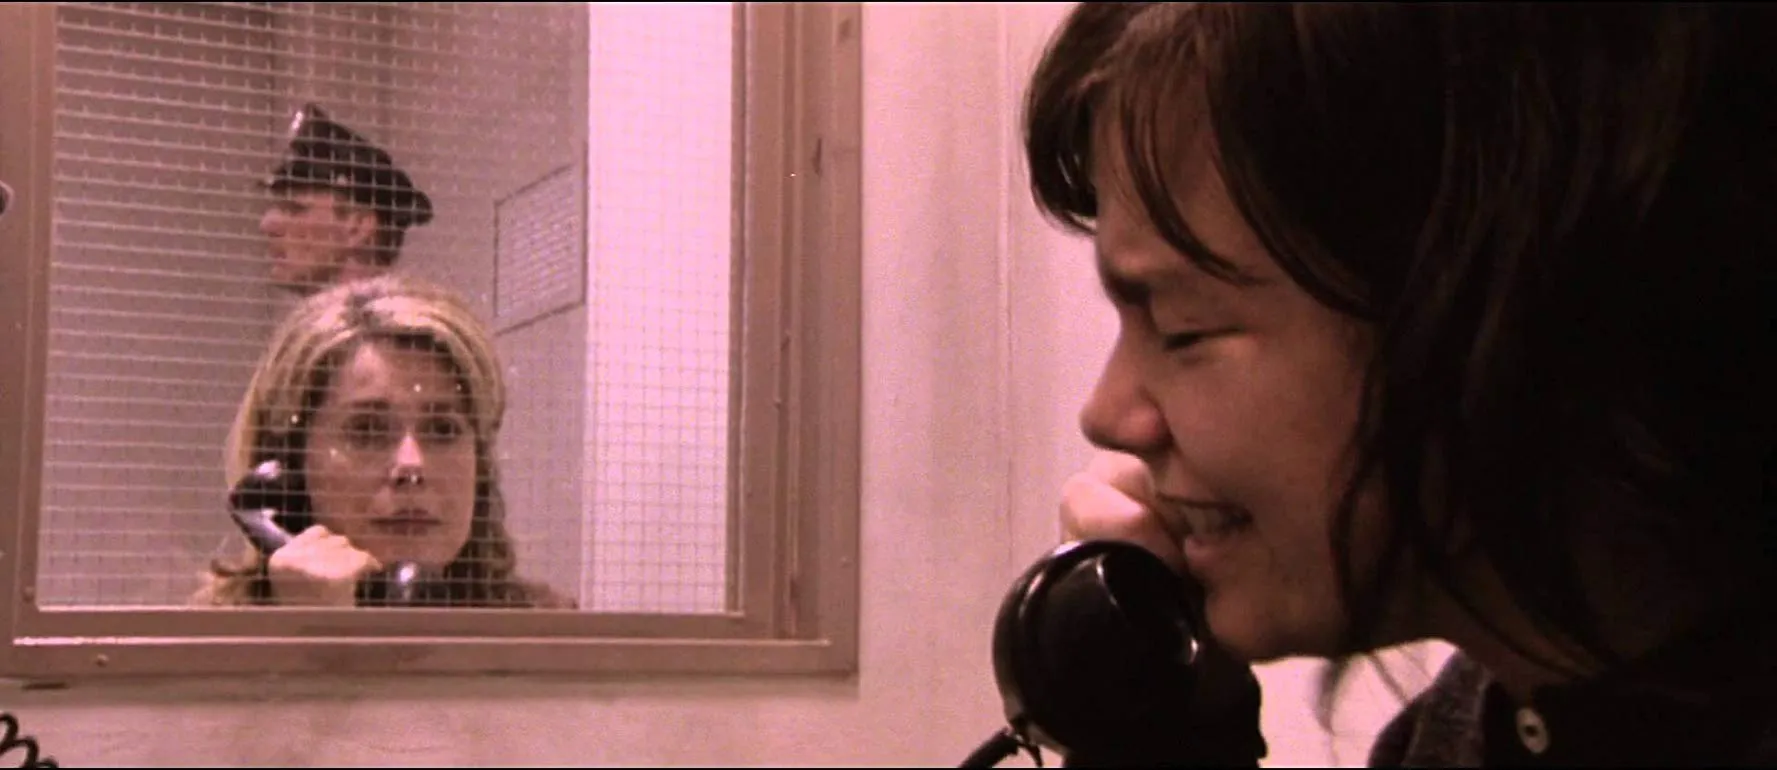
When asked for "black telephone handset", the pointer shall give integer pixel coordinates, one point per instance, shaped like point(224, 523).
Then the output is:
point(269, 505)
point(1099, 655)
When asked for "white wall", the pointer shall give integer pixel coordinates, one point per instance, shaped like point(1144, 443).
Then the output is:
point(660, 167)
point(982, 332)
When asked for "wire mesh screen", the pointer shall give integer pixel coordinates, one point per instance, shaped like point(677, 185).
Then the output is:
point(275, 269)
point(662, 227)
point(165, 112)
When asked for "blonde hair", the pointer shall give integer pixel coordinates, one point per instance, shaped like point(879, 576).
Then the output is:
point(293, 378)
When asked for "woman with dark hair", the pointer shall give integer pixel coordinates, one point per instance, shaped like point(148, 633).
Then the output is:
point(1443, 321)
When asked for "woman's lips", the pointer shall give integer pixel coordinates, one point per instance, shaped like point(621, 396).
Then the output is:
point(1209, 531)
point(406, 521)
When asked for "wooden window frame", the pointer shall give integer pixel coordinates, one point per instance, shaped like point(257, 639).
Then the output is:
point(796, 390)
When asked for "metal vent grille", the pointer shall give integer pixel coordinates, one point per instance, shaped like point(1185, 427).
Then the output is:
point(540, 247)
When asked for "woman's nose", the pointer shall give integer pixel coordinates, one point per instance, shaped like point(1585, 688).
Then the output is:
point(1121, 415)
point(269, 221)
point(410, 461)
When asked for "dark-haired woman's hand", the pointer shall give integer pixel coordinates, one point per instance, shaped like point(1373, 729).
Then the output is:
point(1111, 499)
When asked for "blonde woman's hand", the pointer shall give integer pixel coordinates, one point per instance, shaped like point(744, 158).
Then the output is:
point(1112, 498)
point(318, 568)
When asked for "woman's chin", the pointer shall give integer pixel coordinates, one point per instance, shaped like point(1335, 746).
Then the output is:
point(426, 558)
point(1247, 631)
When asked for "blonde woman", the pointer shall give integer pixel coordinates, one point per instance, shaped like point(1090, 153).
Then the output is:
point(382, 399)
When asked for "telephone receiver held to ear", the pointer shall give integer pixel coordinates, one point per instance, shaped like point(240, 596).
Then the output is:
point(1100, 654)
point(268, 505)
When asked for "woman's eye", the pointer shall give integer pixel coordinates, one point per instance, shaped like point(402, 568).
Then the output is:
point(444, 430)
point(1182, 340)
